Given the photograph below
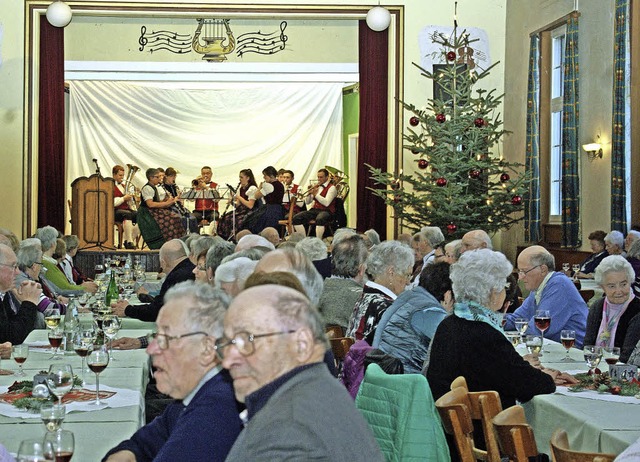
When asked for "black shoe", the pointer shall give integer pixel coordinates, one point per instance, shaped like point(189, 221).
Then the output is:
point(129, 245)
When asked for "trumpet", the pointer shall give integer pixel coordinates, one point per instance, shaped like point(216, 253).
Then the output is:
point(129, 187)
point(313, 185)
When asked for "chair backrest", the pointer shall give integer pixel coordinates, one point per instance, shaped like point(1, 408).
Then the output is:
point(340, 346)
point(514, 434)
point(562, 453)
point(288, 222)
point(453, 408)
point(334, 331)
point(459, 382)
point(587, 294)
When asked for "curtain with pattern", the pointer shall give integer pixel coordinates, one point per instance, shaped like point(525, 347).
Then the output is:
point(532, 148)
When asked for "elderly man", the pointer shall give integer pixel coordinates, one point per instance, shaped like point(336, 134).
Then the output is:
point(273, 348)
point(176, 264)
point(204, 423)
point(343, 289)
point(475, 239)
point(551, 291)
point(18, 311)
point(271, 235)
point(630, 239)
point(424, 245)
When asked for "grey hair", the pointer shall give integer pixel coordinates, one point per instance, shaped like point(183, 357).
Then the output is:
point(295, 311)
point(216, 253)
point(614, 263)
point(254, 253)
point(477, 274)
point(71, 241)
point(207, 306)
point(254, 240)
point(198, 245)
point(10, 238)
point(341, 234)
point(543, 257)
point(615, 238)
point(348, 255)
point(432, 234)
point(455, 247)
point(48, 236)
point(236, 270)
point(373, 236)
point(390, 254)
point(313, 247)
point(634, 250)
point(29, 254)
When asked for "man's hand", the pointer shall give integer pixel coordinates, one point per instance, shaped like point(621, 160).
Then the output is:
point(532, 359)
point(119, 307)
point(5, 350)
point(28, 291)
point(127, 343)
point(90, 286)
point(142, 290)
point(122, 456)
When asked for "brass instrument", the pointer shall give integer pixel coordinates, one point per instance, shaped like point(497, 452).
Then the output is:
point(311, 187)
point(129, 187)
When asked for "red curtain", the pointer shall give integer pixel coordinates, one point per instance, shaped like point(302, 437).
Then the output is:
point(373, 50)
point(51, 152)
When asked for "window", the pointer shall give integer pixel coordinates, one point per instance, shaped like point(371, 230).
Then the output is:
point(556, 102)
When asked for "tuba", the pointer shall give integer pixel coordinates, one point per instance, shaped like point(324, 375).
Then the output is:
point(129, 188)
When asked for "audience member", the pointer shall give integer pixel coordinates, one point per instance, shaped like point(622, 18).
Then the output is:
point(632, 236)
point(424, 244)
point(452, 251)
point(253, 240)
point(551, 291)
point(200, 270)
point(271, 235)
point(614, 243)
point(203, 422)
point(588, 267)
point(231, 276)
point(7, 237)
point(273, 348)
point(67, 265)
point(200, 244)
point(475, 239)
point(316, 250)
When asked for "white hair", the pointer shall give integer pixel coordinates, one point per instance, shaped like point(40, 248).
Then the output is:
point(477, 273)
point(236, 270)
point(253, 240)
point(313, 247)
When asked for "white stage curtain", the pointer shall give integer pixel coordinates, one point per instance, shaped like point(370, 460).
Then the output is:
point(228, 126)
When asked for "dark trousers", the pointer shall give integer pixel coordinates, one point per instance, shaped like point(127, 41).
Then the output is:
point(123, 214)
point(322, 217)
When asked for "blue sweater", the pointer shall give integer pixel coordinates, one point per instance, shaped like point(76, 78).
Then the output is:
point(204, 430)
point(563, 301)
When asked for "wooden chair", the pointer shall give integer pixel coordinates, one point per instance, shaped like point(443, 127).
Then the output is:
point(562, 453)
point(459, 382)
point(340, 347)
point(587, 294)
point(514, 434)
point(120, 230)
point(286, 225)
point(334, 332)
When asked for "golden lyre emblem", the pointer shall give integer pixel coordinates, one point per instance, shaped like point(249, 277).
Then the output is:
point(214, 32)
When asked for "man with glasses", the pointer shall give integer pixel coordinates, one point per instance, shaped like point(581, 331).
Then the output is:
point(203, 422)
point(18, 311)
point(552, 291)
point(273, 347)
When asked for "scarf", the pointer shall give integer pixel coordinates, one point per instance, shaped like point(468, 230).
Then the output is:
point(611, 314)
point(472, 311)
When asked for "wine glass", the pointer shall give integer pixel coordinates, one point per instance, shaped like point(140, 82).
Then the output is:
point(62, 443)
point(98, 361)
point(20, 354)
point(568, 339)
point(35, 450)
point(110, 326)
point(60, 380)
point(52, 415)
point(533, 344)
point(542, 319)
point(52, 319)
point(83, 344)
point(576, 269)
point(565, 268)
point(98, 269)
point(513, 337)
point(611, 355)
point(522, 325)
point(55, 340)
point(592, 356)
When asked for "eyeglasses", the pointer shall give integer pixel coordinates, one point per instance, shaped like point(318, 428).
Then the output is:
point(13, 266)
point(163, 339)
point(36, 263)
point(435, 257)
point(201, 267)
point(524, 273)
point(243, 341)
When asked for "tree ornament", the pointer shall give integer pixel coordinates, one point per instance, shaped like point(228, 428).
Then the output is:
point(504, 177)
point(414, 121)
point(415, 151)
point(442, 181)
point(452, 228)
point(516, 200)
point(451, 56)
point(475, 174)
point(440, 118)
point(479, 122)
point(423, 163)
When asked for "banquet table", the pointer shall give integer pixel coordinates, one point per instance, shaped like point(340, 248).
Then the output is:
point(95, 431)
point(601, 423)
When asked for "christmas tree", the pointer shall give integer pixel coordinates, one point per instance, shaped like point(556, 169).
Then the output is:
point(460, 183)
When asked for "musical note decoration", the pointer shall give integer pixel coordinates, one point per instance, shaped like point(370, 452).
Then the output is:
point(262, 43)
point(218, 39)
point(164, 40)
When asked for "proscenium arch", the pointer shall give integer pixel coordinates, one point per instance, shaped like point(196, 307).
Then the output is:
point(35, 12)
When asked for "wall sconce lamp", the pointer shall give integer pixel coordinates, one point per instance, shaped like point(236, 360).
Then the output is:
point(59, 14)
point(593, 150)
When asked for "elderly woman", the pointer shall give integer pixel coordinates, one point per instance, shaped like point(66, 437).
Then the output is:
point(597, 243)
point(613, 320)
point(389, 267)
point(471, 342)
point(231, 276)
point(614, 243)
point(316, 250)
point(30, 265)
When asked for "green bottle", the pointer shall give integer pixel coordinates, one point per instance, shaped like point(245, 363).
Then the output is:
point(112, 291)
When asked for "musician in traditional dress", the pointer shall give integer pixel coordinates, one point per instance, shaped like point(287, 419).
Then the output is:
point(290, 192)
point(206, 209)
point(321, 198)
point(189, 221)
point(161, 206)
point(245, 201)
point(271, 192)
point(124, 204)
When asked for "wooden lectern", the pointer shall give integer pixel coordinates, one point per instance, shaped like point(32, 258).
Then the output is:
point(92, 212)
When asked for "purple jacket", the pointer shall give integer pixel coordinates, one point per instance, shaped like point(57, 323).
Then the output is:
point(353, 367)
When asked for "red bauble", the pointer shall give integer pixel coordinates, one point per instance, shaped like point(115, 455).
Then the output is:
point(451, 56)
point(504, 177)
point(479, 122)
point(396, 199)
point(475, 174)
point(441, 181)
point(414, 121)
point(516, 200)
point(440, 118)
point(423, 163)
point(452, 228)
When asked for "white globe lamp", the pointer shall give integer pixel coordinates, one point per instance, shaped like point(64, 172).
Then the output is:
point(59, 14)
point(378, 18)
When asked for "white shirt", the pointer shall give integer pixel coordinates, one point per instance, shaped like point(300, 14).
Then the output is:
point(326, 200)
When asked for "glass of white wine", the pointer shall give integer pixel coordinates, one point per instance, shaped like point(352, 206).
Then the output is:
point(522, 324)
point(592, 356)
point(52, 415)
point(52, 319)
point(110, 326)
point(533, 344)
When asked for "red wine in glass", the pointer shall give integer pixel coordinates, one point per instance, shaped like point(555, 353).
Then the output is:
point(568, 342)
point(82, 351)
point(64, 456)
point(96, 368)
point(55, 342)
point(542, 323)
